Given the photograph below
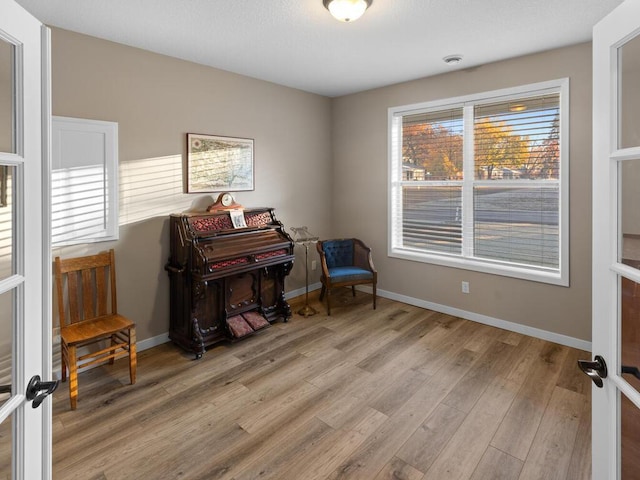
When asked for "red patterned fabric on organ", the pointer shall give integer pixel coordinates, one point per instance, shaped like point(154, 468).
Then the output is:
point(256, 320)
point(275, 253)
point(239, 328)
point(228, 263)
point(257, 219)
point(210, 224)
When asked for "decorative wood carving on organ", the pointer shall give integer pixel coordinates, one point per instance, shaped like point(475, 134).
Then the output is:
point(226, 282)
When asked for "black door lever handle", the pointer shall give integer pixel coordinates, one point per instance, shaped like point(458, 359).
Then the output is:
point(38, 390)
point(631, 370)
point(596, 370)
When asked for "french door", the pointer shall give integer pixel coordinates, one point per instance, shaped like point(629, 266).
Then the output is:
point(616, 244)
point(25, 333)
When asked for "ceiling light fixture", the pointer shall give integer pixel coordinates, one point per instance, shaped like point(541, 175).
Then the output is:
point(452, 59)
point(347, 10)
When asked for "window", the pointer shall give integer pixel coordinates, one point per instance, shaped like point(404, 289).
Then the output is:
point(481, 182)
point(84, 181)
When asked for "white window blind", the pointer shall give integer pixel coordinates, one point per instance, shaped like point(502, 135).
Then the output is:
point(432, 198)
point(480, 182)
point(84, 181)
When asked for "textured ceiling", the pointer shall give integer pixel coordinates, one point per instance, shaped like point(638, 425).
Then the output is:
point(298, 44)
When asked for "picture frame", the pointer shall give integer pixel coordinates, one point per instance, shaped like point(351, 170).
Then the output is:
point(217, 163)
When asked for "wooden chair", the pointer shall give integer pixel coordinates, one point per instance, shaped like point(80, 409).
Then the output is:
point(345, 262)
point(86, 318)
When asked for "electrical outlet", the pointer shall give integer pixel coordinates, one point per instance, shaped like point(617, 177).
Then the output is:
point(314, 265)
point(465, 287)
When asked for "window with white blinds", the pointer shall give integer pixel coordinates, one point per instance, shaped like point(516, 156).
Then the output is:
point(84, 181)
point(481, 182)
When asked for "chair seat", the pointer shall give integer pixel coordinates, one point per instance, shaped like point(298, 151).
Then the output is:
point(349, 274)
point(101, 326)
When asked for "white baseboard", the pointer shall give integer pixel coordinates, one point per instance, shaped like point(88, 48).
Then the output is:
point(302, 291)
point(456, 312)
point(484, 319)
point(148, 343)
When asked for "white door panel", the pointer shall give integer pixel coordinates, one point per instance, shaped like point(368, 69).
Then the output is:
point(616, 243)
point(24, 256)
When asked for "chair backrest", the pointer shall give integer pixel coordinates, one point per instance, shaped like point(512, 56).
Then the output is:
point(90, 286)
point(338, 253)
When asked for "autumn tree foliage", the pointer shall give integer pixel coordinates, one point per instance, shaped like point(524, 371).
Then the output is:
point(435, 148)
point(500, 151)
point(498, 147)
point(544, 159)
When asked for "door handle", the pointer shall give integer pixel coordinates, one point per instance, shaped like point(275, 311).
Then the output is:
point(632, 370)
point(596, 370)
point(38, 390)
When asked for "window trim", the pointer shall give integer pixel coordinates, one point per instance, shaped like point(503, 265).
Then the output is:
point(394, 194)
point(109, 130)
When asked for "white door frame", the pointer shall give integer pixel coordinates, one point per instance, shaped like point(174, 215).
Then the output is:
point(609, 34)
point(30, 283)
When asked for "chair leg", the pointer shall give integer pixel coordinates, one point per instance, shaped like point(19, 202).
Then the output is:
point(328, 301)
point(133, 360)
point(353, 290)
point(73, 377)
point(322, 292)
point(114, 341)
point(374, 296)
point(64, 361)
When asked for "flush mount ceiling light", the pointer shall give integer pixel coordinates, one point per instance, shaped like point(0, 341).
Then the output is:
point(347, 10)
point(452, 59)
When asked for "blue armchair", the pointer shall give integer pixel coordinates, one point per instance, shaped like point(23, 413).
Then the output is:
point(345, 262)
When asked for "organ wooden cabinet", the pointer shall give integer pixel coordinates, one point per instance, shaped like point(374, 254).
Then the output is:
point(226, 282)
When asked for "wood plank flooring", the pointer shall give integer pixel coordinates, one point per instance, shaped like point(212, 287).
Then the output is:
point(396, 393)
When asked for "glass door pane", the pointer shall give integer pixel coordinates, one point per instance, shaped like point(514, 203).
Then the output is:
point(7, 98)
point(629, 94)
point(6, 442)
point(629, 439)
point(630, 332)
point(7, 264)
point(629, 199)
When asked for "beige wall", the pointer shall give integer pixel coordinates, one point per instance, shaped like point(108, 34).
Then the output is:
point(320, 162)
point(359, 193)
point(156, 100)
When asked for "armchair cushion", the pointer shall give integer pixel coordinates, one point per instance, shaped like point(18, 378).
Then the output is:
point(349, 274)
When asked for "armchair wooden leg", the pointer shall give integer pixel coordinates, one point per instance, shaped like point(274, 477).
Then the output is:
point(73, 377)
point(374, 296)
point(353, 290)
point(328, 301)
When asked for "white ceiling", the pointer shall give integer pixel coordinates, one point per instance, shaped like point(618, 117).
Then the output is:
point(298, 44)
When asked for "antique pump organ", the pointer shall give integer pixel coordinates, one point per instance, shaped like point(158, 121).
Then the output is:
point(226, 280)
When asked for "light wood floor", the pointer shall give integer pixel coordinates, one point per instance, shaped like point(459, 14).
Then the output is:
point(395, 393)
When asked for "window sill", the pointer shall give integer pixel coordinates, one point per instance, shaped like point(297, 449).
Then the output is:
point(542, 275)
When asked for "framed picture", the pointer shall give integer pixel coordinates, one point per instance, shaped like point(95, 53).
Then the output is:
point(217, 163)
